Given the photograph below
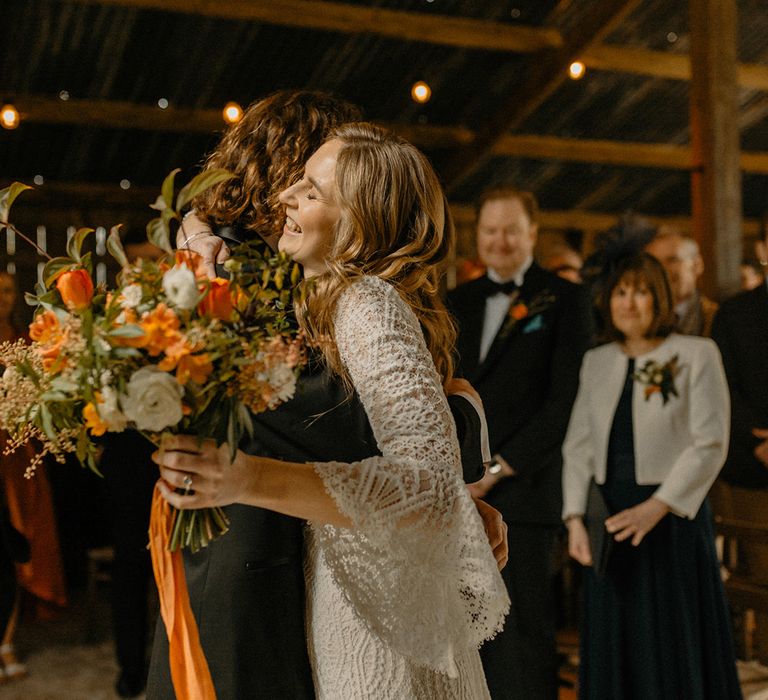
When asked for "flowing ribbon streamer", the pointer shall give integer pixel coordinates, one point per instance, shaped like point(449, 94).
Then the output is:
point(189, 668)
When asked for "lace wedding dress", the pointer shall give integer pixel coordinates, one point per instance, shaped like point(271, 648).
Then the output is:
point(398, 605)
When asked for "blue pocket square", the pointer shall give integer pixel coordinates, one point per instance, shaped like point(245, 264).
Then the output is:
point(535, 324)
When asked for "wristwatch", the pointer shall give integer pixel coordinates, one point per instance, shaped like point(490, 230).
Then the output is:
point(494, 467)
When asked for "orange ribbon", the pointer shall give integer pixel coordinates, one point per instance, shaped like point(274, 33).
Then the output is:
point(189, 668)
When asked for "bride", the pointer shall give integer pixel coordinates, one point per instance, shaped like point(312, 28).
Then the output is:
point(402, 586)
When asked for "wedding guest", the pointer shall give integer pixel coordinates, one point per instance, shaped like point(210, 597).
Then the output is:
point(740, 330)
point(30, 509)
point(684, 266)
point(751, 274)
point(650, 427)
point(402, 586)
point(522, 333)
point(255, 646)
point(565, 262)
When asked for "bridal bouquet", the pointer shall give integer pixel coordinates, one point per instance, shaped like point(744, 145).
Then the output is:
point(166, 350)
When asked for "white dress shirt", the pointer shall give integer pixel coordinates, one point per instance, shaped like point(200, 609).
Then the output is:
point(497, 306)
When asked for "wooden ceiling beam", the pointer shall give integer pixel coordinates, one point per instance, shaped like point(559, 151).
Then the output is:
point(663, 64)
point(622, 153)
point(110, 114)
point(125, 115)
point(544, 76)
point(425, 27)
point(444, 30)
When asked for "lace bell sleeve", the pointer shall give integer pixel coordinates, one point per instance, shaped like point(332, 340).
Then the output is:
point(416, 566)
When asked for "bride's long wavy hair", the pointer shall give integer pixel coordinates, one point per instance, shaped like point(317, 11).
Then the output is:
point(394, 224)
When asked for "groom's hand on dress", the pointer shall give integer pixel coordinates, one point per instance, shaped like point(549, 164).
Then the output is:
point(495, 530)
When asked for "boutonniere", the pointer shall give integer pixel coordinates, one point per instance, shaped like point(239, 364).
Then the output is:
point(658, 378)
point(520, 310)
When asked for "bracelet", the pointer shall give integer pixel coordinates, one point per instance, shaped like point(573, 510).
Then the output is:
point(189, 240)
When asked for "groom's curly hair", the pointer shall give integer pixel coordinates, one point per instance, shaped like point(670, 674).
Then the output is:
point(266, 150)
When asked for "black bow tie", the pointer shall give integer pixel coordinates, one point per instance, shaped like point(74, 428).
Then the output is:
point(490, 287)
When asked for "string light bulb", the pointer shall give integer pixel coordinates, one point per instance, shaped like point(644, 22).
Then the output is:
point(9, 117)
point(576, 70)
point(232, 112)
point(421, 92)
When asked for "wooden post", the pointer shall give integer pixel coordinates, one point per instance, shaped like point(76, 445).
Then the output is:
point(716, 177)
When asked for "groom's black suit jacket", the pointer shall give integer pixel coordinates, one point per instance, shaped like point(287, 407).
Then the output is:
point(528, 383)
point(740, 330)
point(247, 587)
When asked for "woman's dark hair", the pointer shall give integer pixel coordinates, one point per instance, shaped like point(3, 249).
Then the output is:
point(266, 150)
point(640, 268)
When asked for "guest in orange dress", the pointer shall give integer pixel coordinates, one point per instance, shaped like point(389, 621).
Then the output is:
point(30, 508)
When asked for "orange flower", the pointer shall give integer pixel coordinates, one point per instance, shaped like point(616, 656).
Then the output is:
point(192, 260)
point(160, 326)
point(93, 420)
point(194, 367)
point(180, 357)
point(218, 302)
point(45, 328)
point(652, 389)
point(519, 311)
point(51, 339)
point(76, 289)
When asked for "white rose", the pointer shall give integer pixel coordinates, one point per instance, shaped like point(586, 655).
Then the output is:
point(180, 286)
point(130, 297)
point(152, 400)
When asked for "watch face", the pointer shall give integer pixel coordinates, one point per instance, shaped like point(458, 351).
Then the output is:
point(494, 468)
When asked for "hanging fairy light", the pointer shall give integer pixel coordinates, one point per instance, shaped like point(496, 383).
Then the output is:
point(576, 70)
point(421, 92)
point(232, 112)
point(9, 117)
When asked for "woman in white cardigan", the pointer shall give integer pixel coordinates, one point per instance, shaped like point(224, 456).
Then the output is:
point(650, 427)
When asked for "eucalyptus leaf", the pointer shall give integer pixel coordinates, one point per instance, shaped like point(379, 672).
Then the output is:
point(168, 186)
point(75, 245)
point(53, 268)
point(115, 246)
point(7, 197)
point(127, 331)
point(159, 234)
point(200, 183)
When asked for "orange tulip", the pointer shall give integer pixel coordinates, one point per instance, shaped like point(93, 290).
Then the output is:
point(76, 289)
point(218, 302)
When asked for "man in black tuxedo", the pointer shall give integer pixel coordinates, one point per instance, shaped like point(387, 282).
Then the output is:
point(522, 334)
point(740, 330)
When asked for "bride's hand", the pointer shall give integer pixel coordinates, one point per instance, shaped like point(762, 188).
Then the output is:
point(203, 471)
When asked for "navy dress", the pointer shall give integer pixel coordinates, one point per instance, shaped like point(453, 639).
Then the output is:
point(656, 623)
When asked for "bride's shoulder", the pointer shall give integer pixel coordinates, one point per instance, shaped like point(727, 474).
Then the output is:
point(368, 291)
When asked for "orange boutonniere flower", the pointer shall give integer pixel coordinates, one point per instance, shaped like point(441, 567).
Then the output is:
point(659, 379)
point(76, 289)
point(519, 309)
